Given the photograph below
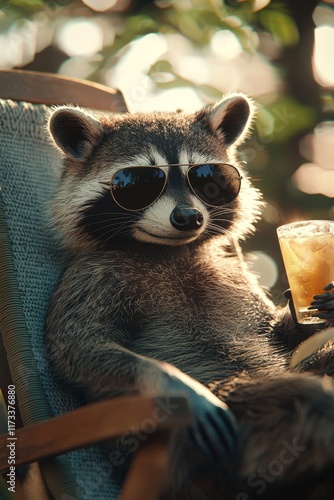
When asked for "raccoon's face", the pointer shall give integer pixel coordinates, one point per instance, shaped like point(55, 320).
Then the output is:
point(162, 178)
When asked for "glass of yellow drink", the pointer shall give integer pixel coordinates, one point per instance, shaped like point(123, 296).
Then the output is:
point(308, 254)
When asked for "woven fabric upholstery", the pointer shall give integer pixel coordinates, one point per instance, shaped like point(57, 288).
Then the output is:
point(29, 170)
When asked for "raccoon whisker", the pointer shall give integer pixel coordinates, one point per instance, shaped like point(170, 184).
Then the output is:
point(226, 217)
point(152, 213)
point(107, 216)
point(216, 229)
point(214, 222)
point(109, 235)
point(107, 222)
point(109, 229)
point(100, 214)
point(219, 229)
point(221, 212)
point(220, 219)
point(106, 230)
point(120, 235)
point(223, 207)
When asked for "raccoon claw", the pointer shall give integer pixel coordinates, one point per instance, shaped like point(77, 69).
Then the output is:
point(216, 435)
point(324, 304)
point(201, 440)
point(214, 429)
point(226, 428)
point(216, 432)
point(330, 286)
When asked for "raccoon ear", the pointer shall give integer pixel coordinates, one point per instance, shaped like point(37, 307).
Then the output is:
point(74, 131)
point(232, 118)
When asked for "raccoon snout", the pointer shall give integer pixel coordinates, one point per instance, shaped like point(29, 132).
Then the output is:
point(186, 218)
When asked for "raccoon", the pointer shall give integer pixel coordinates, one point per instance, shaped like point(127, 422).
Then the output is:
point(157, 299)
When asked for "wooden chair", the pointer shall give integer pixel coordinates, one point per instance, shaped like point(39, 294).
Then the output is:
point(49, 422)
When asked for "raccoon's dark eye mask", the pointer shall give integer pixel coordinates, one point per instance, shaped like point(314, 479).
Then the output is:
point(135, 188)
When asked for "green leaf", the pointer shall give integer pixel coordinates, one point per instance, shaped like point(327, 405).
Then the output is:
point(289, 118)
point(281, 25)
point(28, 4)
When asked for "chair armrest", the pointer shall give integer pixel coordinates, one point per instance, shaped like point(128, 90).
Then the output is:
point(47, 88)
point(148, 472)
point(93, 423)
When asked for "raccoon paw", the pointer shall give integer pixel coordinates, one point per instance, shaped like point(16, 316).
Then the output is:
point(214, 430)
point(324, 304)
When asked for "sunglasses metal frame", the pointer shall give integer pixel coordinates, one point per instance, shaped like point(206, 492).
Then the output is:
point(162, 167)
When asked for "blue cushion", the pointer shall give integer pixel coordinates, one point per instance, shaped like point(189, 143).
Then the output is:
point(29, 170)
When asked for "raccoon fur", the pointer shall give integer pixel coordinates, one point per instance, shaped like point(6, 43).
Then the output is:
point(158, 300)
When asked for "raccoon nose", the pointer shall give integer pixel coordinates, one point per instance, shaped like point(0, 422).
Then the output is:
point(186, 218)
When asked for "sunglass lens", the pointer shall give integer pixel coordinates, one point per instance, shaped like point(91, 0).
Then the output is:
point(215, 184)
point(135, 188)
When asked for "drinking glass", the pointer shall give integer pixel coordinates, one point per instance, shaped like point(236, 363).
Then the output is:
point(308, 254)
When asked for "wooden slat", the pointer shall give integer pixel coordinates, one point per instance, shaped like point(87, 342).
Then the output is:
point(148, 473)
point(50, 89)
point(93, 423)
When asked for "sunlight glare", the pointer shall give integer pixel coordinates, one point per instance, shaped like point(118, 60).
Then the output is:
point(225, 45)
point(78, 66)
point(323, 15)
point(323, 67)
point(130, 72)
point(310, 178)
point(318, 147)
point(79, 37)
point(260, 4)
point(194, 68)
point(184, 98)
point(264, 267)
point(100, 5)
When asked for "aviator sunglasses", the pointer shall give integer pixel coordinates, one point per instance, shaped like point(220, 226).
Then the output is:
point(137, 187)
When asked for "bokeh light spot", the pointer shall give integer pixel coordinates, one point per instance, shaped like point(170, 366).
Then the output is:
point(79, 37)
point(323, 67)
point(312, 179)
point(184, 98)
point(225, 45)
point(318, 147)
point(264, 267)
point(100, 5)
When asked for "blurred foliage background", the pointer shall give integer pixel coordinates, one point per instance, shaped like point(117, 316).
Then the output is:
point(169, 54)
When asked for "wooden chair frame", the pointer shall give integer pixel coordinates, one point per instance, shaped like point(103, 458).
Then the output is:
point(108, 419)
point(49, 89)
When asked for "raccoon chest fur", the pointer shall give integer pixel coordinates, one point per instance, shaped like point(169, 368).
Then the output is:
point(184, 310)
point(203, 345)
